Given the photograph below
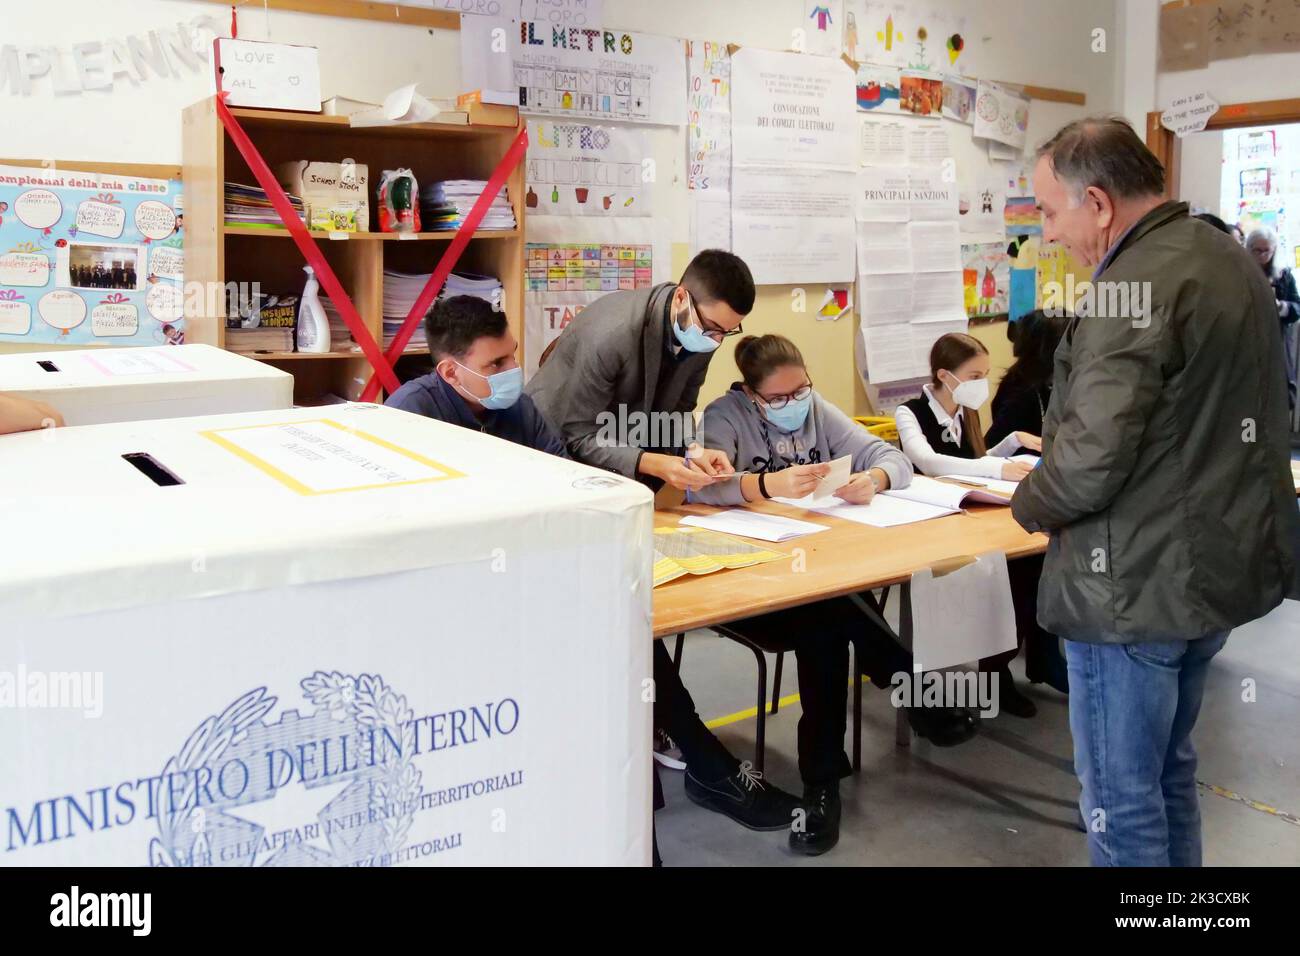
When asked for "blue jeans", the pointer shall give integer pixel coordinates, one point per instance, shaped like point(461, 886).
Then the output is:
point(1132, 710)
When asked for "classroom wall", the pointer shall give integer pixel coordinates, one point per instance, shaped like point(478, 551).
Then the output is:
point(1144, 88)
point(1261, 76)
point(1046, 43)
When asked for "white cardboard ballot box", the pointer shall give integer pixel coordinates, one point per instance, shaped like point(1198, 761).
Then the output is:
point(95, 386)
point(348, 635)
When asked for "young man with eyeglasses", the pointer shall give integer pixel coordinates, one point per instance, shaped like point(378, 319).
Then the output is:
point(643, 353)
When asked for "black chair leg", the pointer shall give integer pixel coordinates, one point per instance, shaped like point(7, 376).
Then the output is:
point(677, 652)
point(759, 743)
point(856, 670)
point(776, 681)
point(760, 656)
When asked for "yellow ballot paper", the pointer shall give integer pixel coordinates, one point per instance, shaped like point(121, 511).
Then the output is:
point(680, 551)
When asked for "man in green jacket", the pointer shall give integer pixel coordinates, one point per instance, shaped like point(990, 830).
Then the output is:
point(1164, 482)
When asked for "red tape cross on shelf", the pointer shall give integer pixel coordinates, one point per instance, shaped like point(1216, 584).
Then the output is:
point(307, 246)
point(514, 155)
point(379, 361)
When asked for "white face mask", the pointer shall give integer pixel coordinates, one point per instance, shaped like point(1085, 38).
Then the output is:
point(971, 394)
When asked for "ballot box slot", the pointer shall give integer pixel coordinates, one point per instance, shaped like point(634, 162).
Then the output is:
point(152, 469)
point(47, 365)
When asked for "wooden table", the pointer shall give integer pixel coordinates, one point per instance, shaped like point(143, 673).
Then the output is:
point(848, 559)
point(844, 560)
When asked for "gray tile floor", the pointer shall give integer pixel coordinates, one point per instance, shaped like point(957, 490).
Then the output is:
point(1006, 798)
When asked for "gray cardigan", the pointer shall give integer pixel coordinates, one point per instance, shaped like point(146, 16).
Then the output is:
point(734, 425)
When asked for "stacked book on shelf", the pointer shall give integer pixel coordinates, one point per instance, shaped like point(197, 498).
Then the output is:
point(262, 323)
point(259, 340)
point(401, 289)
point(248, 206)
point(444, 205)
point(340, 336)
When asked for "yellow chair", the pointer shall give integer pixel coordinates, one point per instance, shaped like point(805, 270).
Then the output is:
point(882, 426)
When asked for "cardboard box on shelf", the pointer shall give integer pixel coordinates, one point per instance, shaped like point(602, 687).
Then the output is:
point(337, 195)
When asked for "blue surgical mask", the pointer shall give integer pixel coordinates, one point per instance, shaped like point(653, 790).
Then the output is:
point(791, 416)
point(692, 338)
point(506, 387)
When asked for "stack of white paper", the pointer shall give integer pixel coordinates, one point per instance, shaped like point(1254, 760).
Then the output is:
point(754, 524)
point(886, 512)
point(401, 289)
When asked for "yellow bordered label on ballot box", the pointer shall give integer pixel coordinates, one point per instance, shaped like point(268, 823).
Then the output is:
point(323, 457)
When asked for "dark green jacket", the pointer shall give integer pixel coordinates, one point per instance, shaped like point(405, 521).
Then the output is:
point(1165, 483)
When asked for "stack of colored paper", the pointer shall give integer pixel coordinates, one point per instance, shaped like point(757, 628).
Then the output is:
point(444, 205)
point(248, 206)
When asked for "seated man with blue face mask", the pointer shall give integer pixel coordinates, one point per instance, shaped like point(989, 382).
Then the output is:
point(476, 381)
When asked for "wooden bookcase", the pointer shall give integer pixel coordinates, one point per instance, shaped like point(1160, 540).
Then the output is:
point(218, 254)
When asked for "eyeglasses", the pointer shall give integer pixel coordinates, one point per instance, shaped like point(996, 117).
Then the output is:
point(781, 401)
point(709, 328)
point(716, 333)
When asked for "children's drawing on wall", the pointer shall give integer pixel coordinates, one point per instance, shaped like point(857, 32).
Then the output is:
point(920, 59)
point(822, 25)
point(1022, 216)
point(910, 35)
point(920, 94)
point(986, 279)
point(835, 304)
point(878, 88)
point(887, 36)
point(956, 45)
point(959, 99)
point(981, 208)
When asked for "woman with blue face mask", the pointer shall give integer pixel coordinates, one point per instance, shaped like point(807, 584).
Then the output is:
point(781, 436)
point(775, 427)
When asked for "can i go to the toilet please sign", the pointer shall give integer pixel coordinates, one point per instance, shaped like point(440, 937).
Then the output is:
point(268, 75)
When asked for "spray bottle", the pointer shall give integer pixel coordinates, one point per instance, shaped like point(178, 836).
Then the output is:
point(313, 326)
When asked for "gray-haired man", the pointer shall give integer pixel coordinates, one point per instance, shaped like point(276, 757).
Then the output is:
point(1164, 482)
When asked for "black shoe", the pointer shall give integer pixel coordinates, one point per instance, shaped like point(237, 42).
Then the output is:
point(1011, 700)
point(745, 798)
point(821, 825)
point(943, 726)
